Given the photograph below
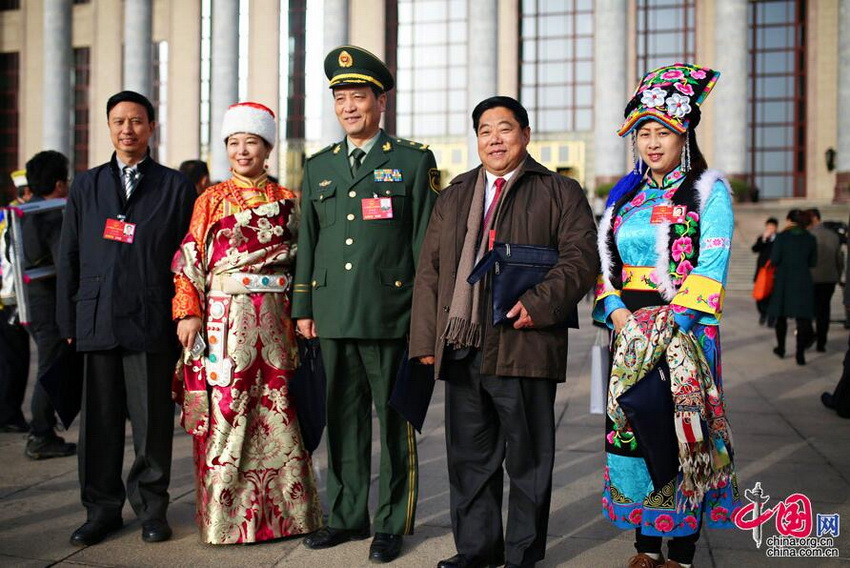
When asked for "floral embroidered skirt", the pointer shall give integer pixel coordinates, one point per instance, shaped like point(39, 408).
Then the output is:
point(254, 479)
point(629, 499)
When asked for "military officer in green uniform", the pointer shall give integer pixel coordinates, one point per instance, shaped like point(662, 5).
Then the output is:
point(365, 202)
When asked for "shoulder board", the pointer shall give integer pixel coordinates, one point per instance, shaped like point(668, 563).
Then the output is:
point(402, 143)
point(324, 150)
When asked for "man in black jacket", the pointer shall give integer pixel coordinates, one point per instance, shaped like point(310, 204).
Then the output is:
point(47, 173)
point(123, 223)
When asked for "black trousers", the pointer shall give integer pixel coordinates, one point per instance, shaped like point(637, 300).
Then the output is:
point(681, 549)
point(121, 384)
point(493, 420)
point(14, 368)
point(45, 334)
point(804, 332)
point(823, 299)
point(841, 395)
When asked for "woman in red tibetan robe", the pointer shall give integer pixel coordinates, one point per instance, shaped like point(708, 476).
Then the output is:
point(254, 479)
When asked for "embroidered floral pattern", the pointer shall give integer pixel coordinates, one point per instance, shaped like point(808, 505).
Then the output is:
point(678, 105)
point(653, 97)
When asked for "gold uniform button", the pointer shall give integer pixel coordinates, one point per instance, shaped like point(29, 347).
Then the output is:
point(398, 283)
point(348, 266)
point(315, 283)
point(352, 193)
point(321, 198)
point(388, 192)
point(350, 217)
point(349, 241)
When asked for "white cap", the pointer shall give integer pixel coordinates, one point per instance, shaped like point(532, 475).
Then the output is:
point(250, 118)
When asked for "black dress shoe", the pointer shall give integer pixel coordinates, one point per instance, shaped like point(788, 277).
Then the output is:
point(828, 400)
point(801, 358)
point(461, 561)
point(385, 547)
point(92, 532)
point(156, 530)
point(779, 352)
point(327, 537)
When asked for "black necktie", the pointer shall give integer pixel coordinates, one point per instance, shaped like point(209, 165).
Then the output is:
point(356, 159)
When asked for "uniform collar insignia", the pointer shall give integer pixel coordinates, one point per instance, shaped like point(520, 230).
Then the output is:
point(387, 147)
point(337, 148)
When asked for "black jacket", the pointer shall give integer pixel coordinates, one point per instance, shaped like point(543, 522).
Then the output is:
point(110, 293)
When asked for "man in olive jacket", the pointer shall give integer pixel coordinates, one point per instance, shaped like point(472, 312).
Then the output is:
point(500, 381)
point(365, 207)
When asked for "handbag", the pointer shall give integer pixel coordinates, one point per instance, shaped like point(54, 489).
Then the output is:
point(599, 372)
point(516, 269)
point(307, 390)
point(765, 277)
point(648, 405)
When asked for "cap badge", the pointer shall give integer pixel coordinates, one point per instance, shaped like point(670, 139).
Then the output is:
point(345, 59)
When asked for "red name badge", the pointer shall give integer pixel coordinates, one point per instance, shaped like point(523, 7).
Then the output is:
point(661, 213)
point(377, 208)
point(120, 231)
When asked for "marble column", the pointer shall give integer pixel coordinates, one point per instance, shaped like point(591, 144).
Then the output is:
point(335, 33)
point(57, 124)
point(224, 80)
point(842, 178)
point(482, 60)
point(731, 59)
point(138, 46)
point(610, 90)
point(264, 67)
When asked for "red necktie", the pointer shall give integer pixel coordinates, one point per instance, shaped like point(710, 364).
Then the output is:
point(499, 183)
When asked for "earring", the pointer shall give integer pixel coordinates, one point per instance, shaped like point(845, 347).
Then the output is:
point(685, 161)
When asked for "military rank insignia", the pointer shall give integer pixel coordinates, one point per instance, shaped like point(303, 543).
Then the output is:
point(434, 179)
point(385, 175)
point(387, 147)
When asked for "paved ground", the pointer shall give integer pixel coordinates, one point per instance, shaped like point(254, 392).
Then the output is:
point(784, 438)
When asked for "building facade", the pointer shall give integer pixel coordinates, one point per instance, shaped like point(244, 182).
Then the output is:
point(773, 121)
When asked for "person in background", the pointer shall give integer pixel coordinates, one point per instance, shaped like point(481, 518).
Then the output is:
point(839, 399)
point(664, 243)
point(794, 253)
point(47, 173)
point(254, 479)
point(825, 274)
point(14, 340)
point(198, 173)
point(123, 221)
point(763, 246)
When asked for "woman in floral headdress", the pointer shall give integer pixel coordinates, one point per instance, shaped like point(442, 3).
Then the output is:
point(254, 479)
point(664, 244)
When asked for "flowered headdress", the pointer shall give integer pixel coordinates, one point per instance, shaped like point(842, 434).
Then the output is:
point(671, 95)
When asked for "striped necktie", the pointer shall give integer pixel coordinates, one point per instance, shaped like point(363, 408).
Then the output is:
point(131, 180)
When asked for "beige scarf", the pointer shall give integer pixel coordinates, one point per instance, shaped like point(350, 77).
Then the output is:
point(464, 327)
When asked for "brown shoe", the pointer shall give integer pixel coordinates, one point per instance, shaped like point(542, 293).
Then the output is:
point(641, 560)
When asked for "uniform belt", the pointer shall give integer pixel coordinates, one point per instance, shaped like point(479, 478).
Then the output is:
point(246, 282)
point(639, 278)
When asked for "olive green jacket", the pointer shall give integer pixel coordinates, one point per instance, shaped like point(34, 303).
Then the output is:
point(354, 277)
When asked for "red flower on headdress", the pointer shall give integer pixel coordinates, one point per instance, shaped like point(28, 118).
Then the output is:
point(673, 74)
point(684, 88)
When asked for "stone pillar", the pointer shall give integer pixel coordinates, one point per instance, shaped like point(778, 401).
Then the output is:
point(482, 60)
point(224, 85)
point(842, 163)
point(56, 125)
point(138, 47)
point(611, 91)
point(729, 98)
point(264, 67)
point(335, 34)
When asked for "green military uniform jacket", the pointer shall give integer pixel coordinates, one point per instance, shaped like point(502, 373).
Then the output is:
point(354, 277)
